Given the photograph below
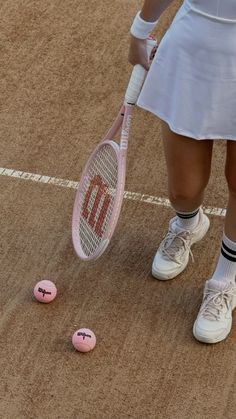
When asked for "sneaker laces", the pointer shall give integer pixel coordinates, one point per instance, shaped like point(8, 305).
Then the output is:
point(214, 301)
point(175, 244)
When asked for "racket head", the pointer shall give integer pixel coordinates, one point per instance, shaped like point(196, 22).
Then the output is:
point(98, 199)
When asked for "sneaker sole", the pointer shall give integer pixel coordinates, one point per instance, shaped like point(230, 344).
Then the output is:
point(217, 339)
point(170, 275)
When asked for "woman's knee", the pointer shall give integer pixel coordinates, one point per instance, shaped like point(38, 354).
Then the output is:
point(189, 189)
point(186, 195)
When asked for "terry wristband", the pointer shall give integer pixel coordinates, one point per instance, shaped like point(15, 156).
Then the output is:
point(141, 28)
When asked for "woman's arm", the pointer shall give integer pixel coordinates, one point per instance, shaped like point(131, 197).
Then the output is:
point(151, 11)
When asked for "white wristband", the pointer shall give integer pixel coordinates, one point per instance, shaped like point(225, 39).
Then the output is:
point(141, 28)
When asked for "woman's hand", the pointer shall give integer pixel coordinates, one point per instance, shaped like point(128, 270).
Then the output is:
point(138, 52)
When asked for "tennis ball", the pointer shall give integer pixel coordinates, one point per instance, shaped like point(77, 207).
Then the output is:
point(84, 340)
point(45, 291)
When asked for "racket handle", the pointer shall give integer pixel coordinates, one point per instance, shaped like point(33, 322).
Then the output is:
point(138, 76)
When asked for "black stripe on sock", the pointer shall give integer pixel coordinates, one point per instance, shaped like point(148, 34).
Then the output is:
point(228, 257)
point(232, 252)
point(187, 216)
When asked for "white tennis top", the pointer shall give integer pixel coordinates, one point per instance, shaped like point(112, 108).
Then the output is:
point(220, 9)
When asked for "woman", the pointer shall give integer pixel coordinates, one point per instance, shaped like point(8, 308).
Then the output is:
point(191, 87)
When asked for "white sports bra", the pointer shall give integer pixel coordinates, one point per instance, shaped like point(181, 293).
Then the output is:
point(224, 10)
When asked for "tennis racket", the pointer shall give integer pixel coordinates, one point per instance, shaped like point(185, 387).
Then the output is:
point(100, 193)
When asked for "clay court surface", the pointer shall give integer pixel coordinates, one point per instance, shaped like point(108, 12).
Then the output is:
point(63, 72)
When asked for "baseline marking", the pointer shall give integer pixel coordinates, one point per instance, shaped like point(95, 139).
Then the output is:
point(133, 196)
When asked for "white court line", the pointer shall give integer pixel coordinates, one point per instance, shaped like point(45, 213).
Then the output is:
point(133, 196)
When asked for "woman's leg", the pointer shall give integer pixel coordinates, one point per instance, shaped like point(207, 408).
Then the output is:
point(226, 266)
point(188, 167)
point(214, 320)
point(230, 173)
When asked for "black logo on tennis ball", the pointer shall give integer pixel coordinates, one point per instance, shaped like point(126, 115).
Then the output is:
point(84, 335)
point(43, 291)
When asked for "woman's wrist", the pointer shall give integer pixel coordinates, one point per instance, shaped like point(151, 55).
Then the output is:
point(140, 28)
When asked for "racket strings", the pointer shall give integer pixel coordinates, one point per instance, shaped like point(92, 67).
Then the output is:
point(98, 198)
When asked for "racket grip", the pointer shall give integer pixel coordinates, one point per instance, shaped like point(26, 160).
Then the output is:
point(138, 76)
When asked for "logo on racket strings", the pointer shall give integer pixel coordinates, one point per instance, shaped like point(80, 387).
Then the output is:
point(102, 193)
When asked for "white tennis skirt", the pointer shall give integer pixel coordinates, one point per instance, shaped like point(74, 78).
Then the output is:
point(192, 81)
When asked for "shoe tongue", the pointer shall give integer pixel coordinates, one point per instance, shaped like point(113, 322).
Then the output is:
point(176, 229)
point(217, 285)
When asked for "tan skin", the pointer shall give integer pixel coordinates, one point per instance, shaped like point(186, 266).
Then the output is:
point(188, 161)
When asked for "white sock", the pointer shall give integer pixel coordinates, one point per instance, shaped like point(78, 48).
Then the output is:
point(226, 266)
point(187, 220)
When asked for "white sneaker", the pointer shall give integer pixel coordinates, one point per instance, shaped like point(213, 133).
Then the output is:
point(214, 319)
point(173, 254)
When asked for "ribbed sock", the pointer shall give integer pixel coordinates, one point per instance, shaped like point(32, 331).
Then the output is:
point(187, 220)
point(226, 266)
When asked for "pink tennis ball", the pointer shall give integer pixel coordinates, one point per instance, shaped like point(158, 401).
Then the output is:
point(84, 340)
point(45, 291)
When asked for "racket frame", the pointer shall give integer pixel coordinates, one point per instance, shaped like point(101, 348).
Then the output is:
point(123, 122)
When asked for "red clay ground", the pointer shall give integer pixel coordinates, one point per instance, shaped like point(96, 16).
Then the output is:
point(63, 72)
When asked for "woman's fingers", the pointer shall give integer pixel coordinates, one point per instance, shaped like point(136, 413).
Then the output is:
point(138, 52)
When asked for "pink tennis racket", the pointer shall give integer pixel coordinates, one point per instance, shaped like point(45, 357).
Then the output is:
point(100, 193)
